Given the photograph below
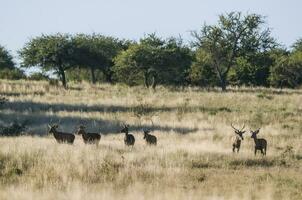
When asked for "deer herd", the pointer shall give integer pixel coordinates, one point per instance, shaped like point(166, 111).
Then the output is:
point(129, 139)
point(94, 138)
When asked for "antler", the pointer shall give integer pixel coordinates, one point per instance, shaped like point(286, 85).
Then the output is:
point(242, 127)
point(234, 127)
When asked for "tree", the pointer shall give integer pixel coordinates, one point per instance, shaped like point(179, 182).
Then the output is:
point(7, 66)
point(96, 52)
point(6, 59)
point(153, 61)
point(286, 71)
point(297, 46)
point(50, 53)
point(201, 72)
point(251, 70)
point(234, 36)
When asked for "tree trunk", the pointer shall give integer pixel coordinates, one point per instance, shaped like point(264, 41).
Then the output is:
point(93, 80)
point(223, 83)
point(146, 76)
point(63, 77)
point(108, 76)
point(154, 81)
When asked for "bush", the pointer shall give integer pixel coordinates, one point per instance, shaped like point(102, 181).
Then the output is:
point(38, 76)
point(12, 74)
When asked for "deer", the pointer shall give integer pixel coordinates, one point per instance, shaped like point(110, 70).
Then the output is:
point(238, 138)
point(88, 138)
point(260, 143)
point(129, 139)
point(61, 137)
point(150, 139)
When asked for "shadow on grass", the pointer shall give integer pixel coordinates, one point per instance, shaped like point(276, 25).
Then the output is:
point(37, 124)
point(28, 106)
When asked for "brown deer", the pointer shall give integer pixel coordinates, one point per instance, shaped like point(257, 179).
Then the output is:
point(238, 138)
point(60, 136)
point(129, 139)
point(150, 139)
point(88, 138)
point(260, 144)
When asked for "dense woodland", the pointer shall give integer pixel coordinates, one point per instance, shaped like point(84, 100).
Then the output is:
point(238, 50)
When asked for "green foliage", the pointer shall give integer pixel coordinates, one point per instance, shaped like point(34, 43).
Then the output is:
point(297, 46)
point(7, 66)
point(252, 70)
point(12, 74)
point(234, 36)
point(201, 72)
point(50, 53)
point(287, 71)
point(38, 76)
point(6, 60)
point(96, 52)
point(152, 61)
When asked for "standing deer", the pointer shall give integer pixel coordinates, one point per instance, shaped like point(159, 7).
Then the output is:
point(89, 138)
point(60, 136)
point(238, 138)
point(260, 144)
point(150, 139)
point(129, 139)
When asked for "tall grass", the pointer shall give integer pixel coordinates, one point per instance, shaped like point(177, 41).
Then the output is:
point(193, 158)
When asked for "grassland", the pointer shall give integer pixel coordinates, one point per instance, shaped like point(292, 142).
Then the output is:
point(193, 159)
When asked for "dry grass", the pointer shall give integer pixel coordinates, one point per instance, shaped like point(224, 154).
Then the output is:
point(193, 159)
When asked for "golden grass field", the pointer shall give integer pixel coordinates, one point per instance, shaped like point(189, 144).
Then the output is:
point(193, 158)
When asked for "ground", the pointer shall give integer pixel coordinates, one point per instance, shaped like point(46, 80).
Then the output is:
point(193, 158)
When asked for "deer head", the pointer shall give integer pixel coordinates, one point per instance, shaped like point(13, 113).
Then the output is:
point(239, 132)
point(125, 129)
point(146, 132)
point(254, 133)
point(53, 128)
point(81, 129)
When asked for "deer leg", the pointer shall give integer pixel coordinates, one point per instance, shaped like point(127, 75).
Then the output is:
point(238, 149)
point(233, 148)
point(262, 152)
point(255, 151)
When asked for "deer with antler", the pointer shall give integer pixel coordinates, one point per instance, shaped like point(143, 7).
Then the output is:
point(129, 139)
point(88, 138)
point(260, 143)
point(60, 136)
point(238, 138)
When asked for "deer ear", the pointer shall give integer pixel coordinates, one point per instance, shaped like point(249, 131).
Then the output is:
point(48, 126)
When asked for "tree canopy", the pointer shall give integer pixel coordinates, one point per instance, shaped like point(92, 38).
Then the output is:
point(153, 61)
point(50, 53)
point(235, 35)
point(6, 59)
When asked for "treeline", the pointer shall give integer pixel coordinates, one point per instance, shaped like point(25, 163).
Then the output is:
point(238, 50)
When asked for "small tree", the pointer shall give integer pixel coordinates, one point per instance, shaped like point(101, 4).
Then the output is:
point(287, 69)
point(6, 59)
point(50, 53)
point(96, 52)
point(234, 36)
point(153, 61)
